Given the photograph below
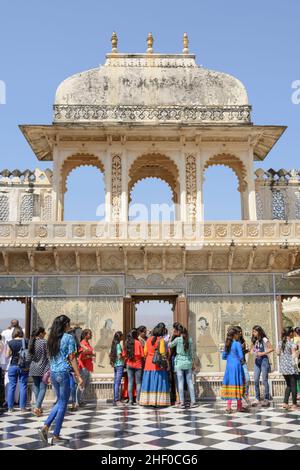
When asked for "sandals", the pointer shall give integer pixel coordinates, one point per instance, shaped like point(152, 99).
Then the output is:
point(37, 412)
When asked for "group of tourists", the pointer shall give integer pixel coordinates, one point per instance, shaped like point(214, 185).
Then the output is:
point(63, 359)
point(150, 369)
point(153, 365)
point(236, 378)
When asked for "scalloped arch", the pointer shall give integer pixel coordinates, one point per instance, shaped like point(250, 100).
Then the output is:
point(232, 162)
point(154, 165)
point(75, 161)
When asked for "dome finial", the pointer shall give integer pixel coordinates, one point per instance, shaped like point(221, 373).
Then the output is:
point(150, 41)
point(185, 43)
point(114, 43)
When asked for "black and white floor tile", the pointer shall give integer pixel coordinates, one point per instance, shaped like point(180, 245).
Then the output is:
point(122, 428)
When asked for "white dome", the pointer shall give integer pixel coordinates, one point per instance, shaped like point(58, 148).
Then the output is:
point(151, 87)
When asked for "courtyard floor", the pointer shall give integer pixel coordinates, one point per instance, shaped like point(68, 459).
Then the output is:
point(114, 428)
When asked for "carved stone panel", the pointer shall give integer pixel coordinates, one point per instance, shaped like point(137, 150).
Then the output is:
point(116, 191)
point(135, 261)
point(112, 262)
point(4, 208)
point(44, 262)
point(26, 209)
point(154, 261)
point(191, 187)
point(19, 263)
point(47, 208)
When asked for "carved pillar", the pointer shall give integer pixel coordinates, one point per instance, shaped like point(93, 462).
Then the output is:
point(108, 188)
point(116, 187)
point(125, 196)
point(191, 187)
point(250, 197)
point(182, 179)
point(199, 186)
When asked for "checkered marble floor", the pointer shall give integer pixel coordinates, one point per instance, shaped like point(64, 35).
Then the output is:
point(206, 427)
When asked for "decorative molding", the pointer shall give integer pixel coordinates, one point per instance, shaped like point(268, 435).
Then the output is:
point(217, 114)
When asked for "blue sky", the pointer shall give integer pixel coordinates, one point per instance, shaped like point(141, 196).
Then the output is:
point(43, 42)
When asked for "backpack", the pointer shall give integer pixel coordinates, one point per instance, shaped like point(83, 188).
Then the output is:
point(24, 359)
point(158, 359)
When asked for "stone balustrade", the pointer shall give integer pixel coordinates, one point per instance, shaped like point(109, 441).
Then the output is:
point(139, 233)
point(15, 177)
point(277, 194)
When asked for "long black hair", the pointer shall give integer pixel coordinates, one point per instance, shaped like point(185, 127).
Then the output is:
point(229, 338)
point(84, 333)
point(113, 350)
point(34, 335)
point(284, 336)
point(297, 330)
point(241, 338)
point(129, 343)
point(57, 331)
point(185, 337)
point(159, 330)
point(261, 334)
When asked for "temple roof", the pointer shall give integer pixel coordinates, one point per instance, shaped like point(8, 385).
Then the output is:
point(151, 87)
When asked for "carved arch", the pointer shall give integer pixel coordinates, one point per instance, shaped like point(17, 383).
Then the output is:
point(155, 165)
point(232, 162)
point(75, 161)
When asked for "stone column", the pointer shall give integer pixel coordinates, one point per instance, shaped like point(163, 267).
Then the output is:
point(182, 179)
point(108, 186)
point(249, 201)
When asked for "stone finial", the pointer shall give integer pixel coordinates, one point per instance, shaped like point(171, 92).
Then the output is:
point(114, 43)
point(185, 42)
point(150, 41)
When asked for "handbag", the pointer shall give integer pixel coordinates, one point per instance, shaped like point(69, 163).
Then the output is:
point(159, 359)
point(46, 377)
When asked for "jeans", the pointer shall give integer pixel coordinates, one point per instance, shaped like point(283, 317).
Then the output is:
point(262, 368)
point(86, 377)
point(291, 388)
point(73, 387)
point(61, 383)
point(137, 374)
point(15, 374)
point(117, 382)
point(39, 390)
point(247, 378)
point(188, 374)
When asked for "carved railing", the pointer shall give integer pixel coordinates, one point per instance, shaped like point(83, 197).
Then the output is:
point(139, 113)
point(138, 233)
point(26, 196)
point(278, 194)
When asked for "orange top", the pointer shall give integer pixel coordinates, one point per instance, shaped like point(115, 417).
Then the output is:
point(137, 362)
point(149, 352)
